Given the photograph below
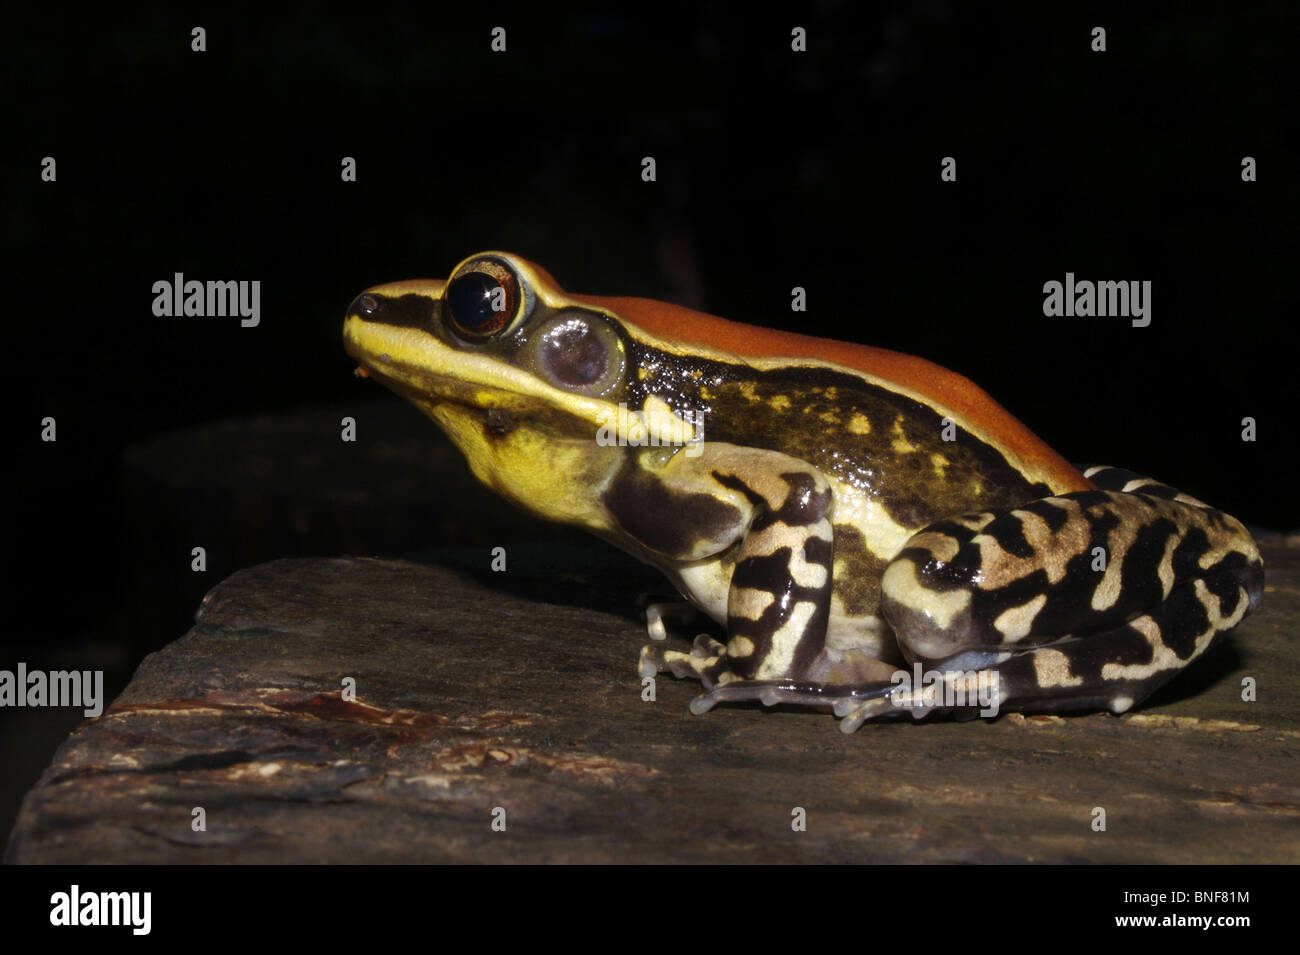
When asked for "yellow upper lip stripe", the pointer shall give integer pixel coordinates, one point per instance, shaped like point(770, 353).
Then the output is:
point(417, 360)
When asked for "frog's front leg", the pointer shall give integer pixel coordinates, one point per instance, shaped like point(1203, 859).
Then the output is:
point(746, 532)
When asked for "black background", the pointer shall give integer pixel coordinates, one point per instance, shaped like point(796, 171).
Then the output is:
point(775, 169)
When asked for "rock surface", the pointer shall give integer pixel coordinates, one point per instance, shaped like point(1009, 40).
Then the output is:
point(514, 697)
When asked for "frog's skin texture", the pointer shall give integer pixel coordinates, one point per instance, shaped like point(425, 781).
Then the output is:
point(846, 512)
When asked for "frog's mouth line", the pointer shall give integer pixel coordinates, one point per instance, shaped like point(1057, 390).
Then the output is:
point(497, 407)
point(431, 374)
point(420, 367)
point(502, 419)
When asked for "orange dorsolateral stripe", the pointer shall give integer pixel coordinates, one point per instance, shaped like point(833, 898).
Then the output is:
point(946, 388)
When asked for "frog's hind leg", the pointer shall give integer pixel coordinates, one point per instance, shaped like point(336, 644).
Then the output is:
point(854, 702)
point(1088, 600)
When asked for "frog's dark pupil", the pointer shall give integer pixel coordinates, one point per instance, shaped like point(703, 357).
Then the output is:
point(471, 297)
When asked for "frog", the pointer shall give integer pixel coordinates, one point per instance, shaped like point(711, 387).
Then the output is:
point(872, 533)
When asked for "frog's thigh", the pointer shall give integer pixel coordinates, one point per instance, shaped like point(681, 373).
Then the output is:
point(1024, 594)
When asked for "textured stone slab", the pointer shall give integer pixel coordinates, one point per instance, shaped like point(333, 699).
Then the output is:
point(518, 691)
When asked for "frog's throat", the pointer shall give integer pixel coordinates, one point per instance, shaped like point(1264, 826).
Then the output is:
point(554, 476)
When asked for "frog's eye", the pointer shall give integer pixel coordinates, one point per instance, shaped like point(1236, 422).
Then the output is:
point(482, 299)
point(578, 352)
